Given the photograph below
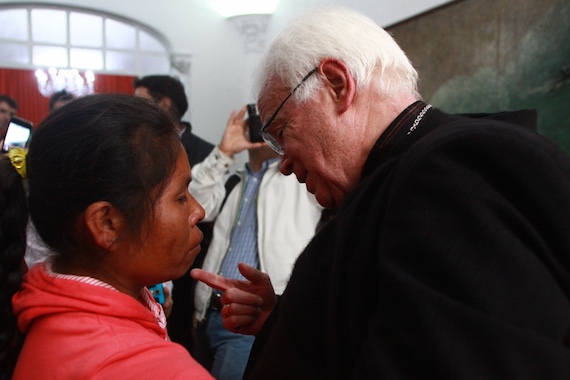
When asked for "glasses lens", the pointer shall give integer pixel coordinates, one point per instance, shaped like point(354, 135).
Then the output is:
point(273, 144)
point(270, 140)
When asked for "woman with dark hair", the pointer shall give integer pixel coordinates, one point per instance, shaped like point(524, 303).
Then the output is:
point(108, 192)
point(13, 221)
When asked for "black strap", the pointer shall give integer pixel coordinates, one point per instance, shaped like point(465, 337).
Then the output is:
point(232, 181)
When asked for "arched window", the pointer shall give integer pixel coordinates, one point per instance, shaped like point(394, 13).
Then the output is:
point(47, 48)
point(43, 36)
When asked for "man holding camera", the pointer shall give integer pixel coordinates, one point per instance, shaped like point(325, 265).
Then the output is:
point(265, 220)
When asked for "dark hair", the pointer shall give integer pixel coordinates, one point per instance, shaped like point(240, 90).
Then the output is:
point(113, 148)
point(11, 102)
point(160, 86)
point(60, 96)
point(13, 222)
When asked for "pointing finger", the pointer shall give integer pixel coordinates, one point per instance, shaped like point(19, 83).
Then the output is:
point(210, 279)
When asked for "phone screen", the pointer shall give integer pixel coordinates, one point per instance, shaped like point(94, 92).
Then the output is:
point(17, 134)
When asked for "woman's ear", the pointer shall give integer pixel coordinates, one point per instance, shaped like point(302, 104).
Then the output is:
point(104, 223)
point(339, 81)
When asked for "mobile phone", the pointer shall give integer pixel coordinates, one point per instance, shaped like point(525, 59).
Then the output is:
point(254, 122)
point(18, 133)
point(157, 293)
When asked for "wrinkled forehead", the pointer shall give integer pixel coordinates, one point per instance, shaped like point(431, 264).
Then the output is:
point(271, 95)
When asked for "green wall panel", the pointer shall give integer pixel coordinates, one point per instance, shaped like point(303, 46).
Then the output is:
point(489, 55)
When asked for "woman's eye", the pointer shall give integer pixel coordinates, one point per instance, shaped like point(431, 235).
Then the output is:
point(182, 199)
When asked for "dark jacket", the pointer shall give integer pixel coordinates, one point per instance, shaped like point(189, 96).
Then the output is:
point(196, 148)
point(450, 260)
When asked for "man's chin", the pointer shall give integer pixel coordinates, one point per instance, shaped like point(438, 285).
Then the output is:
point(325, 199)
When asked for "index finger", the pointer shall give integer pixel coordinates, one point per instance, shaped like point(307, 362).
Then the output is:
point(241, 111)
point(212, 280)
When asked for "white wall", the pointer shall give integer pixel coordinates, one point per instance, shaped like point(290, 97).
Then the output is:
point(221, 70)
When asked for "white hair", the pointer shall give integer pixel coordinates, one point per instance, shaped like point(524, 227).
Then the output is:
point(370, 53)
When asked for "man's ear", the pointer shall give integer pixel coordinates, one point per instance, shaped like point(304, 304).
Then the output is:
point(339, 81)
point(104, 223)
point(165, 103)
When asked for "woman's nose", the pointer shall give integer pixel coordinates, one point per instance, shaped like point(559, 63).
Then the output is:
point(197, 212)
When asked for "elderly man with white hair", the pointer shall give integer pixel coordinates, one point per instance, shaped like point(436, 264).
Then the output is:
point(449, 256)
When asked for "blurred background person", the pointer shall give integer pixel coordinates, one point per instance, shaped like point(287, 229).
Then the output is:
point(168, 93)
point(59, 99)
point(13, 221)
point(8, 109)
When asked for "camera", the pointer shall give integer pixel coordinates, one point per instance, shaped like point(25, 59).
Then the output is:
point(157, 293)
point(18, 134)
point(254, 122)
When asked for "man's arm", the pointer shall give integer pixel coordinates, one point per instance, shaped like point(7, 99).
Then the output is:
point(209, 176)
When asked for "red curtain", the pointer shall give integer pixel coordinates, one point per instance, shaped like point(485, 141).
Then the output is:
point(114, 84)
point(21, 85)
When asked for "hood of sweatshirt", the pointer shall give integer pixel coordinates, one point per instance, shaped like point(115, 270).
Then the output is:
point(46, 294)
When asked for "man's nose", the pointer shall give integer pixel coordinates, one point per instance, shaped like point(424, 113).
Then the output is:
point(286, 165)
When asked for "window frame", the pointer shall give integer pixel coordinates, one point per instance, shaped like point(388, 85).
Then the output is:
point(138, 52)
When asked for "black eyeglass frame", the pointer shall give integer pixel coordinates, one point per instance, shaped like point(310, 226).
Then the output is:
point(270, 140)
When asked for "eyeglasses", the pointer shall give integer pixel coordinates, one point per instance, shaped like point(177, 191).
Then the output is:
point(270, 140)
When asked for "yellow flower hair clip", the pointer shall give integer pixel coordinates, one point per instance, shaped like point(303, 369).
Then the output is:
point(18, 158)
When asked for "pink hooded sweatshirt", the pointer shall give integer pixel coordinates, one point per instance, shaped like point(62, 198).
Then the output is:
point(89, 330)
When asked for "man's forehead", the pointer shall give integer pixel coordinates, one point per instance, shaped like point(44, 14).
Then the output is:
point(271, 94)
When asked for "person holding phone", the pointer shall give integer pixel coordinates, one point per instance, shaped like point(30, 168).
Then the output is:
point(8, 109)
point(264, 220)
point(13, 222)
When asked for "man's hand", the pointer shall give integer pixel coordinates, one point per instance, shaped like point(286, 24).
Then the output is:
point(168, 302)
point(235, 138)
point(247, 304)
